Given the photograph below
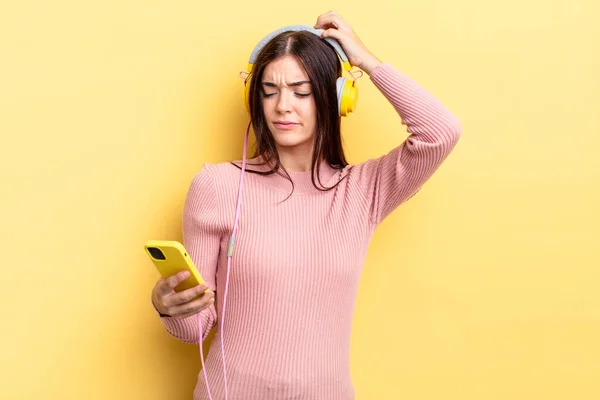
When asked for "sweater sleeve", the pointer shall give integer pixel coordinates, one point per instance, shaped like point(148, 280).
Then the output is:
point(201, 238)
point(395, 177)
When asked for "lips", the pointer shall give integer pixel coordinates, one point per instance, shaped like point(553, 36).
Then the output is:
point(284, 123)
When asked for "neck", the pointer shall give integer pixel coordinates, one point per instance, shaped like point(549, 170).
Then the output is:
point(302, 179)
point(296, 161)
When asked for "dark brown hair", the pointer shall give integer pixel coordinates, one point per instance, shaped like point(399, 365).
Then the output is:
point(321, 63)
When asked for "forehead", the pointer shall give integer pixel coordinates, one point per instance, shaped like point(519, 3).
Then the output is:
point(285, 69)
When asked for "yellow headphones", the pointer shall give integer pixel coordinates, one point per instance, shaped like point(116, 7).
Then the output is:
point(347, 92)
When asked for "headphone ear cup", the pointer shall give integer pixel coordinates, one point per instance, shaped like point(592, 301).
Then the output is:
point(347, 95)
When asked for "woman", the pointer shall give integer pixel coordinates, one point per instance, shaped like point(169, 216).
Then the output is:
point(304, 232)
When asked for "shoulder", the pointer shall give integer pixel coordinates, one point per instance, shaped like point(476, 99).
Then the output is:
point(209, 185)
point(216, 178)
point(216, 171)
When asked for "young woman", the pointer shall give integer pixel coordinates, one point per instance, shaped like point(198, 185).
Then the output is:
point(305, 225)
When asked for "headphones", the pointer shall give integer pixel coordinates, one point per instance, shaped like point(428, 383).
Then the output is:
point(347, 92)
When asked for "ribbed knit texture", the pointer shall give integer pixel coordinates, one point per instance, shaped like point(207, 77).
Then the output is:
point(297, 264)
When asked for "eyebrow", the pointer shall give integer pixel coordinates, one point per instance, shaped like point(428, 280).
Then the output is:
point(300, 83)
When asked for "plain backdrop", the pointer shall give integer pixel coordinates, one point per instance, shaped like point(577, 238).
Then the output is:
point(483, 286)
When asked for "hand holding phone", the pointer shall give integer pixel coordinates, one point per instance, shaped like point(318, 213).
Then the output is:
point(180, 304)
point(180, 292)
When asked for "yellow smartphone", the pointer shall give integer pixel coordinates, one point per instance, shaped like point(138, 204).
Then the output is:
point(170, 257)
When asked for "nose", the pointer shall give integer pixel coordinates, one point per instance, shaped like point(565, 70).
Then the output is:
point(284, 102)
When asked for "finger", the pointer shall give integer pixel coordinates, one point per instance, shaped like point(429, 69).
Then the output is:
point(327, 14)
point(331, 20)
point(186, 296)
point(167, 285)
point(323, 16)
point(192, 307)
point(162, 288)
point(333, 33)
point(328, 21)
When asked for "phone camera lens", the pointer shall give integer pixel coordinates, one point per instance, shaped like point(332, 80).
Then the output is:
point(156, 253)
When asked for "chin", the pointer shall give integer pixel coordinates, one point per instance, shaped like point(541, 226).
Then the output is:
point(289, 139)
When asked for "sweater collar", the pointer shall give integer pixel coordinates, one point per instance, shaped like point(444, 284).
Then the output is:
point(302, 180)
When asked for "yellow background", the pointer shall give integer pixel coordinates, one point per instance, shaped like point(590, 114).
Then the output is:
point(484, 286)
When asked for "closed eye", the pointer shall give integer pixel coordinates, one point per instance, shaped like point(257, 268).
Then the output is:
point(271, 85)
point(297, 94)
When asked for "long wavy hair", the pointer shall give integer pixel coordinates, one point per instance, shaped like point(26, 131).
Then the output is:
point(321, 63)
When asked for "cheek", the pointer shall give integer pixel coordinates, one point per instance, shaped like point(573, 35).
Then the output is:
point(309, 113)
point(268, 111)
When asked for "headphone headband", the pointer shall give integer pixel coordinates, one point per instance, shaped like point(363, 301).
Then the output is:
point(336, 45)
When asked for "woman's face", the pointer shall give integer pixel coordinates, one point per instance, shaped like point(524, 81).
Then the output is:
point(289, 105)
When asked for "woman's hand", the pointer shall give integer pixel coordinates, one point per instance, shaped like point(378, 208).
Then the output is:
point(358, 54)
point(182, 304)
